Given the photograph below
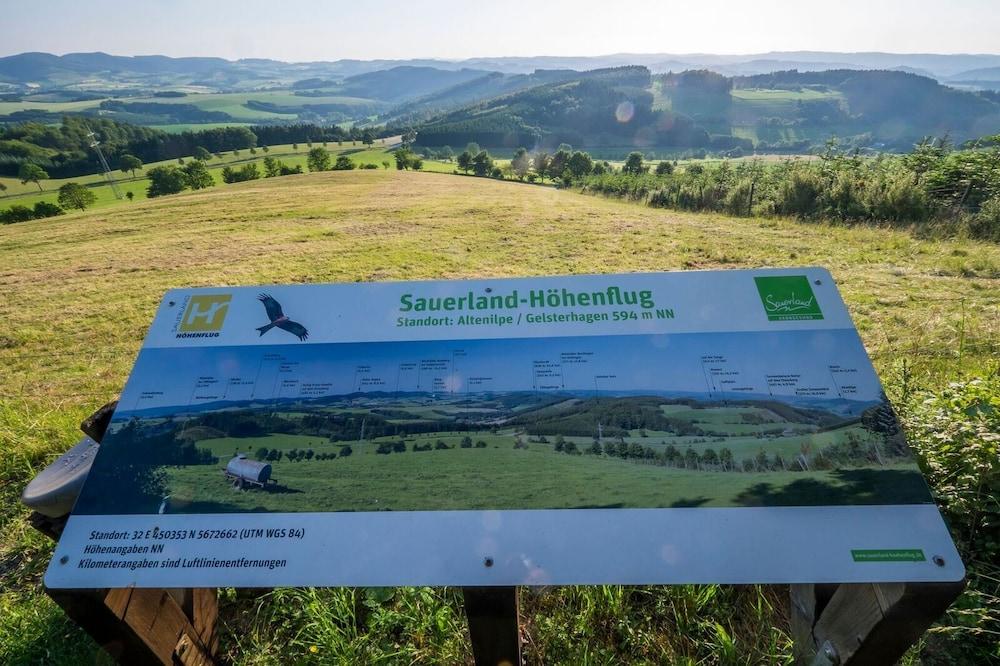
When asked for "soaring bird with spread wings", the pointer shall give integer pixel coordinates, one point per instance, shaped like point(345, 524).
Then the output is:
point(279, 319)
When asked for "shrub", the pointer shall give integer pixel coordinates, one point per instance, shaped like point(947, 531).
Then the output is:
point(246, 172)
point(343, 163)
point(165, 180)
point(799, 194)
point(897, 198)
point(986, 223)
point(16, 213)
point(955, 434)
point(480, 444)
point(46, 209)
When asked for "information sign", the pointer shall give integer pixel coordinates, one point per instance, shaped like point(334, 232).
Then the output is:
point(691, 427)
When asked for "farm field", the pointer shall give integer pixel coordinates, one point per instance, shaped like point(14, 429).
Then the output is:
point(80, 290)
point(238, 105)
point(27, 194)
point(367, 481)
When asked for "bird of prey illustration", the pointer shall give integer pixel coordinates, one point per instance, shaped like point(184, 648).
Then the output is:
point(279, 319)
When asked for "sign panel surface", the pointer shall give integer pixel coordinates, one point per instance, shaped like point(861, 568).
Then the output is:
point(645, 428)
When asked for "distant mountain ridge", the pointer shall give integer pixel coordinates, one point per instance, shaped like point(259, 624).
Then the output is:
point(48, 69)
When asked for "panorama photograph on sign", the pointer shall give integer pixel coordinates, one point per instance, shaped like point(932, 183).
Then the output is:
point(781, 418)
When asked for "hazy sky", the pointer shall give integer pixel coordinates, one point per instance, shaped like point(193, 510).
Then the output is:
point(297, 30)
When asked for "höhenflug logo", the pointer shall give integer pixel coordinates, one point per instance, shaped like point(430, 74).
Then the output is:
point(204, 316)
point(788, 298)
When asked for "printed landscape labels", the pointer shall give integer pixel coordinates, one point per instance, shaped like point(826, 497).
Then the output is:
point(687, 427)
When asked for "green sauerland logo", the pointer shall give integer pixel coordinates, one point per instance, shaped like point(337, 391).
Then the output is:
point(788, 298)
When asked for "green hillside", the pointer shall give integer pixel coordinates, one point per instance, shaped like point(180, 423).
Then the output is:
point(80, 290)
point(628, 108)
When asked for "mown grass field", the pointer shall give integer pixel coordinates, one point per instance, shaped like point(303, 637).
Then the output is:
point(78, 292)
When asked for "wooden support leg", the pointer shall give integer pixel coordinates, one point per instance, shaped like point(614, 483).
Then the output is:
point(492, 614)
point(140, 626)
point(869, 623)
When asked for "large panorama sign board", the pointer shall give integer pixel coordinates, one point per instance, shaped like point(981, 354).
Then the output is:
point(647, 428)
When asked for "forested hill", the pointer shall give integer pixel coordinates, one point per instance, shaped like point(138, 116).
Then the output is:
point(597, 108)
point(785, 111)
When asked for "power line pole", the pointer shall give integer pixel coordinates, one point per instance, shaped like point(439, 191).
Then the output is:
point(96, 145)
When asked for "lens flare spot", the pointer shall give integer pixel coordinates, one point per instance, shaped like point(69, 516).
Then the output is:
point(624, 112)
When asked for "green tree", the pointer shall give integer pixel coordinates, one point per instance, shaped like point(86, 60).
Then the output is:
point(385, 164)
point(409, 136)
point(482, 163)
point(472, 148)
point(466, 442)
point(165, 180)
point(521, 163)
point(367, 137)
point(201, 153)
point(197, 175)
point(464, 161)
point(633, 163)
point(343, 163)
point(129, 195)
point(541, 164)
point(404, 158)
point(261, 453)
point(558, 163)
point(272, 167)
point(318, 159)
point(446, 153)
point(129, 163)
point(265, 149)
point(32, 173)
point(3, 189)
point(579, 164)
point(664, 168)
point(75, 195)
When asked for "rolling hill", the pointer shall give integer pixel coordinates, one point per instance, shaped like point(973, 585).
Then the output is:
point(628, 107)
point(80, 290)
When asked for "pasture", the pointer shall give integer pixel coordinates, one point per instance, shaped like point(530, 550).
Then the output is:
point(80, 290)
point(27, 194)
point(482, 478)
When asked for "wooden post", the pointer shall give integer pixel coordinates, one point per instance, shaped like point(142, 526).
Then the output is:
point(865, 623)
point(492, 615)
point(140, 626)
